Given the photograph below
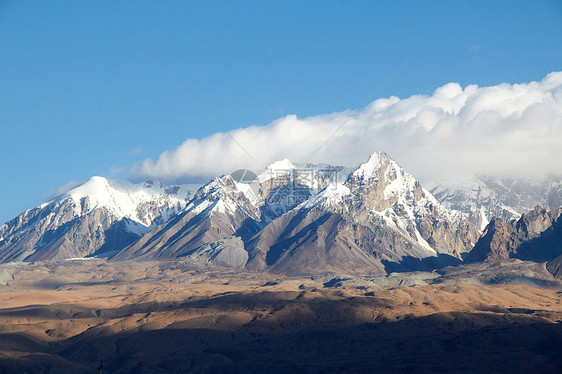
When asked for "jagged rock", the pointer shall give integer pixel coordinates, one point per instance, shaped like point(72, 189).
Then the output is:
point(536, 236)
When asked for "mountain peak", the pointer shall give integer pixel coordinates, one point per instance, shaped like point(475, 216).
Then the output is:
point(93, 186)
point(284, 164)
point(373, 164)
point(122, 197)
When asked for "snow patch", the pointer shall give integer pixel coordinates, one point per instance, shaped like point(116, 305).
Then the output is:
point(136, 228)
point(483, 218)
point(275, 169)
point(369, 168)
point(329, 196)
point(281, 165)
point(126, 199)
point(199, 207)
point(511, 210)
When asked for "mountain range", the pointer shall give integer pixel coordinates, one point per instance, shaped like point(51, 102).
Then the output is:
point(292, 219)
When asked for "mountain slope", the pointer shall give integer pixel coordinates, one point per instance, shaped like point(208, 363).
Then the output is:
point(99, 216)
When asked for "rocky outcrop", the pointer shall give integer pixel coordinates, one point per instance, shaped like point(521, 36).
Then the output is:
point(536, 236)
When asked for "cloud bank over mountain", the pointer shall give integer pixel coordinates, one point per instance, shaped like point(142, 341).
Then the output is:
point(502, 130)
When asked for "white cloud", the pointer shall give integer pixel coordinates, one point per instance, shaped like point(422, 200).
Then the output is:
point(507, 130)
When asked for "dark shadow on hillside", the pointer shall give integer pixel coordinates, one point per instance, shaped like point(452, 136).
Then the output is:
point(409, 263)
point(116, 238)
point(546, 247)
point(276, 251)
point(248, 228)
point(444, 342)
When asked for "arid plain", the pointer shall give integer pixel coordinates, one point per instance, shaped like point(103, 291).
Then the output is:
point(167, 317)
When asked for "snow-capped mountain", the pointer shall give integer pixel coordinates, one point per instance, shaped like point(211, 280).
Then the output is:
point(97, 217)
point(222, 208)
point(484, 198)
point(218, 210)
point(373, 219)
point(304, 219)
point(291, 218)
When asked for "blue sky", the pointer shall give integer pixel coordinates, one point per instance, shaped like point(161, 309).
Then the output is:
point(81, 96)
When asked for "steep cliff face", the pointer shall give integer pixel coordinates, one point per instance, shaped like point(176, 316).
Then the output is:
point(498, 241)
point(402, 201)
point(536, 236)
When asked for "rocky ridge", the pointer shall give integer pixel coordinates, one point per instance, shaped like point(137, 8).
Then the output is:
point(536, 236)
